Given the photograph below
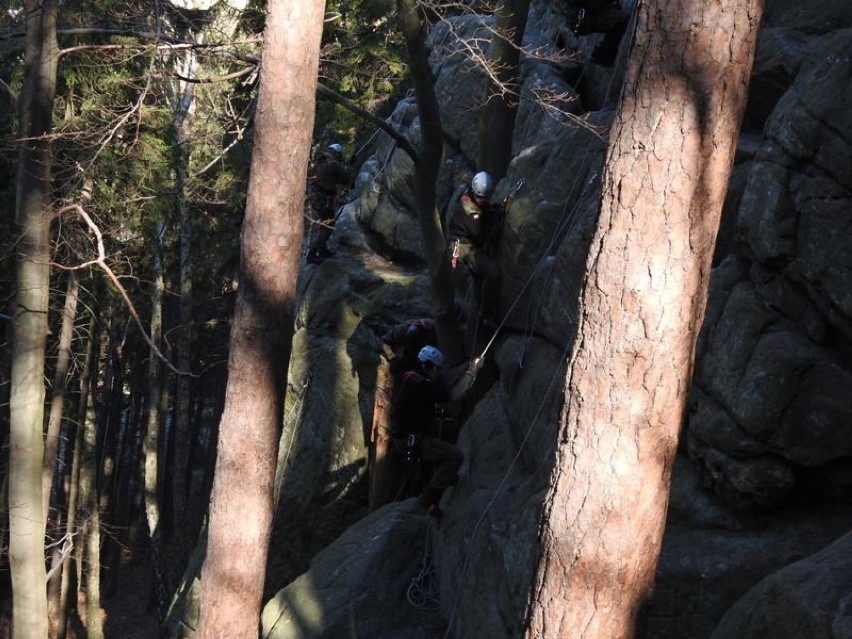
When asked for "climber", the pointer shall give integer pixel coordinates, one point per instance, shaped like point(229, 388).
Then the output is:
point(414, 410)
point(473, 233)
point(406, 340)
point(327, 176)
point(597, 16)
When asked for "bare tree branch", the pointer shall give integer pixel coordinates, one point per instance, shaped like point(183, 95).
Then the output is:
point(401, 140)
point(100, 262)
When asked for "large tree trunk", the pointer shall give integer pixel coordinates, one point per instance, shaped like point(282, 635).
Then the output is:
point(671, 152)
point(261, 336)
point(29, 324)
point(497, 119)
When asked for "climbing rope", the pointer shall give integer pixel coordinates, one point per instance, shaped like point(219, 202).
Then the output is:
point(422, 592)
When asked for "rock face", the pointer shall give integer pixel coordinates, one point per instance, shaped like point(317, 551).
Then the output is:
point(767, 443)
point(809, 598)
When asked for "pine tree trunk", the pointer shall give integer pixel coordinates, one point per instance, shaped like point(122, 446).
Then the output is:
point(29, 323)
point(671, 151)
point(261, 336)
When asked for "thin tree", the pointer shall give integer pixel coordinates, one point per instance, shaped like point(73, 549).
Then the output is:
point(261, 336)
point(151, 442)
point(427, 164)
point(57, 400)
point(30, 327)
point(497, 118)
point(641, 306)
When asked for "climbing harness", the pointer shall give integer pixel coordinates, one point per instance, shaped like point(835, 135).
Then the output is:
point(454, 261)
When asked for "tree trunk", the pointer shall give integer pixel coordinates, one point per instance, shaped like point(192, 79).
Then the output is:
point(261, 336)
point(671, 151)
point(109, 419)
point(57, 400)
point(180, 446)
point(151, 446)
point(497, 118)
point(427, 166)
point(29, 323)
point(51, 445)
point(385, 475)
point(90, 541)
point(71, 567)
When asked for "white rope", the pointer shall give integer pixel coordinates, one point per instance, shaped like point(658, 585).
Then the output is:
point(422, 592)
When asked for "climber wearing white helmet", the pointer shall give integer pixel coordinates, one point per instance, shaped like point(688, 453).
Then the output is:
point(473, 233)
point(327, 176)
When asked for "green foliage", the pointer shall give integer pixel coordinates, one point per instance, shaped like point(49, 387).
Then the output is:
point(362, 60)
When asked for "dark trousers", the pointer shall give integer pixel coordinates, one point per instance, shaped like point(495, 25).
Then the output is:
point(447, 458)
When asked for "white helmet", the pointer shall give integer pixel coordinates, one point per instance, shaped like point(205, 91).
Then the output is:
point(336, 149)
point(482, 185)
point(431, 355)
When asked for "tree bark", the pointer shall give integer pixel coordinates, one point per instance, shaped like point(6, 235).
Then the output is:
point(670, 156)
point(261, 336)
point(384, 471)
point(29, 323)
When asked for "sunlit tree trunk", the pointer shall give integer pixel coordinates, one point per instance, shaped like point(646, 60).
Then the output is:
point(497, 118)
point(641, 307)
point(385, 475)
point(29, 323)
point(261, 336)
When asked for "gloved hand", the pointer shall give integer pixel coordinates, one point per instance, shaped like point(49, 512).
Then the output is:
point(478, 363)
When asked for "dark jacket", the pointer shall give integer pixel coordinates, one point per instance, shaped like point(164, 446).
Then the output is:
point(476, 223)
point(415, 403)
point(327, 175)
